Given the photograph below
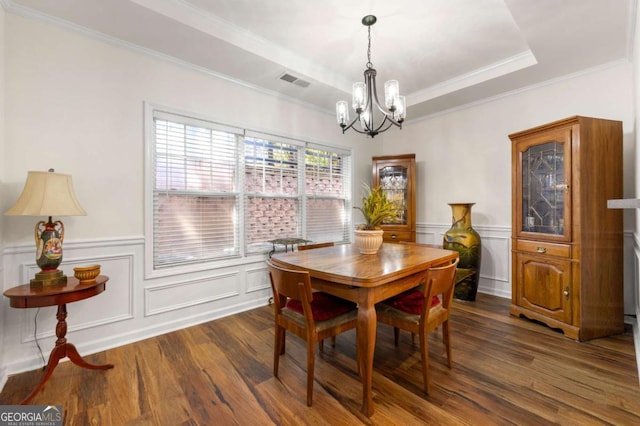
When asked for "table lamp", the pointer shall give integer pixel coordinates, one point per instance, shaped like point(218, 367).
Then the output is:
point(48, 194)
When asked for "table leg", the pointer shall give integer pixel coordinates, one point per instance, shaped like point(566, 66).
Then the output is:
point(366, 345)
point(63, 349)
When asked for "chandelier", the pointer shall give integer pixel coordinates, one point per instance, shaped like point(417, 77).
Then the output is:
point(365, 98)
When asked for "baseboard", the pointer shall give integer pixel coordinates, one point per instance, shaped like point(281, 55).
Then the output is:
point(636, 340)
point(3, 378)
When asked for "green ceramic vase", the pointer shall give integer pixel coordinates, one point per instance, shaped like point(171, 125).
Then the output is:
point(462, 238)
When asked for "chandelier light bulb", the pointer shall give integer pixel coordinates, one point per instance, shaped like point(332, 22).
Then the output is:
point(391, 93)
point(365, 120)
point(359, 96)
point(342, 112)
point(401, 109)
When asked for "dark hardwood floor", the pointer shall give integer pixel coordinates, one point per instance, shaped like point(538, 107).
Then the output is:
point(505, 371)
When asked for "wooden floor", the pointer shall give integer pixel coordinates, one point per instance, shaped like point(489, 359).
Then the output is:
point(505, 371)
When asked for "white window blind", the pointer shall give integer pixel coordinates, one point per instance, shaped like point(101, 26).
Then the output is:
point(217, 191)
point(327, 190)
point(272, 195)
point(195, 193)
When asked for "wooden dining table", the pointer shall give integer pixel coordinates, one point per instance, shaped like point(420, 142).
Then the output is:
point(366, 279)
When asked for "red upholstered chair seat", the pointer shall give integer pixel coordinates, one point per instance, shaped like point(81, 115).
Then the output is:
point(411, 301)
point(323, 306)
point(409, 312)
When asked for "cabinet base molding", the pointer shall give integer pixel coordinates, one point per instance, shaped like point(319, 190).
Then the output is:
point(568, 330)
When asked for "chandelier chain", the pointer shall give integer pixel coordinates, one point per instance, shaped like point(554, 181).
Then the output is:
point(369, 64)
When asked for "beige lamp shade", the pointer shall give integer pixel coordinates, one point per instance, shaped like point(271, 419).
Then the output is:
point(47, 194)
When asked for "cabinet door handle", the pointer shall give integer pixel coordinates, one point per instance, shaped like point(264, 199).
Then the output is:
point(541, 249)
point(566, 292)
point(394, 236)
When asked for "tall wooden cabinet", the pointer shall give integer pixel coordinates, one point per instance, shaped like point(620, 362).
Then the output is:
point(397, 176)
point(566, 244)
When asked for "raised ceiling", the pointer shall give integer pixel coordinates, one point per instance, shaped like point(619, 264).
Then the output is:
point(445, 53)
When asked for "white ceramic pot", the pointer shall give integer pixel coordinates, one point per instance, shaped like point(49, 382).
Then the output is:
point(368, 242)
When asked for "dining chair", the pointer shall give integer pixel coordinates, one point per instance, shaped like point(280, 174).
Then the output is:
point(312, 316)
point(423, 310)
point(315, 246)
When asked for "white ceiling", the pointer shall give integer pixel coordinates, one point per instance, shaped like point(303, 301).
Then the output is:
point(445, 53)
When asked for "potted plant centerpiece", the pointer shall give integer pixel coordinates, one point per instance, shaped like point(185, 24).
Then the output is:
point(376, 209)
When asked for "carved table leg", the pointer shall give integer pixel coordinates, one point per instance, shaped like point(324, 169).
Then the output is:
point(63, 349)
point(366, 346)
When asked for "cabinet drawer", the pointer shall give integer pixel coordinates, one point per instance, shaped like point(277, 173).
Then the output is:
point(395, 236)
point(540, 247)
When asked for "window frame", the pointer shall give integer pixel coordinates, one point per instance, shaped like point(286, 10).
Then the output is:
point(244, 255)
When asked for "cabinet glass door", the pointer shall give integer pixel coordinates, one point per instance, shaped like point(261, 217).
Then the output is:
point(394, 182)
point(545, 189)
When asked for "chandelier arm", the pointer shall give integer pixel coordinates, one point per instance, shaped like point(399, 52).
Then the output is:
point(355, 129)
point(387, 114)
point(390, 121)
point(388, 117)
point(370, 79)
point(372, 98)
point(350, 126)
point(368, 109)
point(373, 90)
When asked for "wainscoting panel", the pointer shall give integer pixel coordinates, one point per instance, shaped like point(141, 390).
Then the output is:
point(631, 274)
point(185, 293)
point(495, 266)
point(131, 308)
point(89, 313)
point(258, 279)
point(90, 322)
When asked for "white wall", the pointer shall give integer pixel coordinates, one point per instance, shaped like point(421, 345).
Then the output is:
point(75, 103)
point(3, 306)
point(464, 155)
point(633, 259)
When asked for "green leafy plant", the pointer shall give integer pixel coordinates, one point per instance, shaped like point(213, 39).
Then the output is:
point(376, 208)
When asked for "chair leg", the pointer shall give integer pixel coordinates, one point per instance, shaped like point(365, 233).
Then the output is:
point(446, 337)
point(283, 340)
point(413, 338)
point(333, 341)
point(321, 345)
point(396, 335)
point(424, 354)
point(278, 349)
point(311, 362)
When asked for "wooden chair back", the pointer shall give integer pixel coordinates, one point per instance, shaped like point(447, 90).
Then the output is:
point(440, 282)
point(295, 285)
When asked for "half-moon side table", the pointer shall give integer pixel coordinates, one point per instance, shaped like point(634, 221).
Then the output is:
point(25, 296)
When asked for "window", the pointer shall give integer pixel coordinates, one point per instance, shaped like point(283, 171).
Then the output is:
point(219, 192)
point(327, 181)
